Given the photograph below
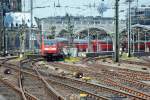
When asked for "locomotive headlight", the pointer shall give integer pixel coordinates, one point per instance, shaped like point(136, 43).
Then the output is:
point(51, 48)
point(46, 48)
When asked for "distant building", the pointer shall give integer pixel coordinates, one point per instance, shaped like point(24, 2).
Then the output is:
point(79, 23)
point(140, 15)
point(16, 19)
point(11, 5)
point(16, 23)
point(5, 7)
point(8, 6)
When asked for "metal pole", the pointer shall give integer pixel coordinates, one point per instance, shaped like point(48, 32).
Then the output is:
point(6, 42)
point(88, 38)
point(97, 42)
point(133, 41)
point(31, 34)
point(4, 37)
point(107, 42)
point(145, 40)
point(138, 42)
point(117, 31)
point(22, 39)
point(129, 29)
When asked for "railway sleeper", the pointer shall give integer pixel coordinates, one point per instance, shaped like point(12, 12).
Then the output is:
point(126, 89)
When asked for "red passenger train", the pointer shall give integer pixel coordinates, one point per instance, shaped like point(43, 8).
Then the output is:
point(138, 46)
point(54, 47)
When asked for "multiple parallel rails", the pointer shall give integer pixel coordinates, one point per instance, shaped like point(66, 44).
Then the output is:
point(132, 74)
point(35, 84)
point(77, 86)
point(95, 93)
point(147, 59)
point(32, 73)
point(51, 78)
point(145, 62)
point(9, 90)
point(11, 76)
point(127, 77)
point(99, 90)
point(68, 87)
point(21, 89)
point(106, 79)
point(36, 87)
point(125, 81)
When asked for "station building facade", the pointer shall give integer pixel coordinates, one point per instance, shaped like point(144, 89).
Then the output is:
point(140, 15)
point(5, 7)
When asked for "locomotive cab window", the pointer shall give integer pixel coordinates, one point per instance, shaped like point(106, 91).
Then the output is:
point(49, 42)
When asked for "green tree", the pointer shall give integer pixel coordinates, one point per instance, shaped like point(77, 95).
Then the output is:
point(50, 37)
point(53, 30)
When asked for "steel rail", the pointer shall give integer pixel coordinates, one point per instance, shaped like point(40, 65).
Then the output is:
point(122, 87)
point(90, 94)
point(99, 87)
point(123, 80)
point(25, 95)
point(14, 88)
point(139, 75)
point(56, 96)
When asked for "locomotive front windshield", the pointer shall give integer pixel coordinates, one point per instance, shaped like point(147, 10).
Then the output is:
point(49, 42)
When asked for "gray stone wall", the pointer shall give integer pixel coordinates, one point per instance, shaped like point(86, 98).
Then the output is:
point(80, 23)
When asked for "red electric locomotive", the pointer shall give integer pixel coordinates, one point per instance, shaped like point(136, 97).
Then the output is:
point(52, 48)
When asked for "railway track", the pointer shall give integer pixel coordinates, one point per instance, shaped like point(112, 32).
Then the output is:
point(29, 71)
point(94, 91)
point(131, 74)
point(36, 85)
point(145, 61)
point(30, 88)
point(9, 91)
point(9, 74)
point(138, 85)
point(95, 88)
point(91, 95)
point(137, 75)
point(103, 78)
point(75, 88)
point(128, 79)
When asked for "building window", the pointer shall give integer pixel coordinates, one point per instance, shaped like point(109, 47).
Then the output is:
point(97, 22)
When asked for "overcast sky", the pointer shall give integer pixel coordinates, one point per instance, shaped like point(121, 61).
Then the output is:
point(75, 7)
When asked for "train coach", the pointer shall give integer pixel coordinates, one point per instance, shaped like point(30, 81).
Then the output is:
point(138, 46)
